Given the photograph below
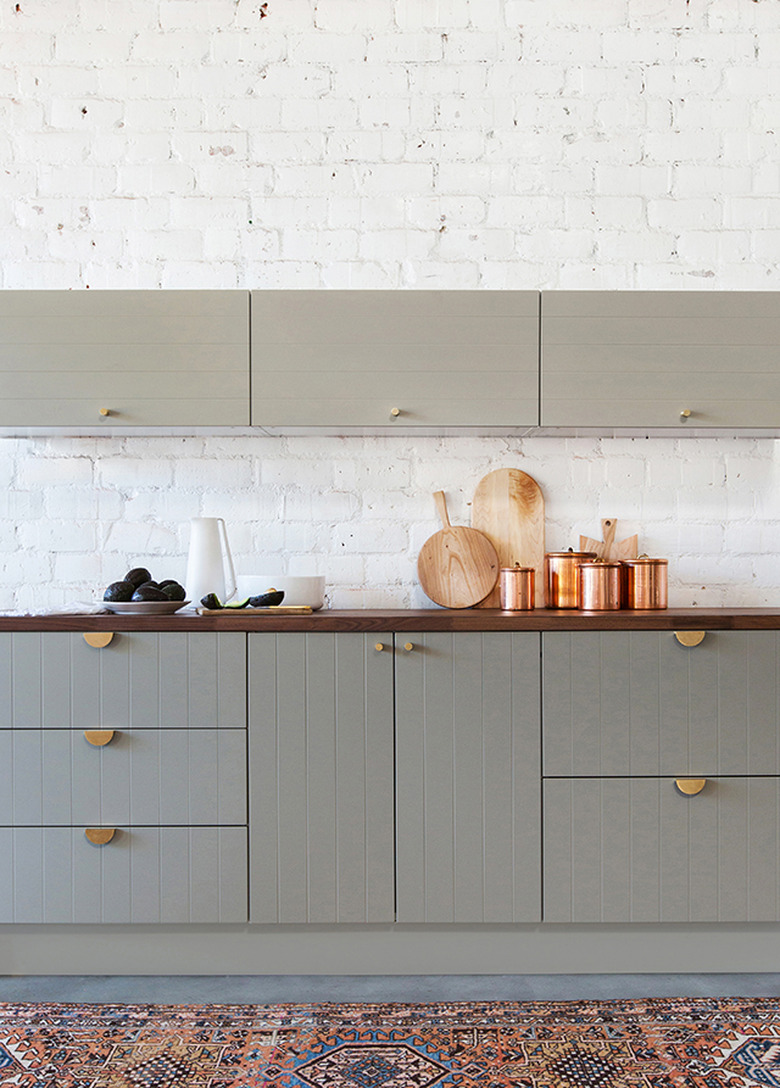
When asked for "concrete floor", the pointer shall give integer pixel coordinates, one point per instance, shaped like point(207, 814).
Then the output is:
point(263, 989)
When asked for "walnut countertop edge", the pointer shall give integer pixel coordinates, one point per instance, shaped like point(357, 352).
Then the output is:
point(423, 619)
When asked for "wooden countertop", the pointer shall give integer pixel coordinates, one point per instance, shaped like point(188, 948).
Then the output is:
point(423, 619)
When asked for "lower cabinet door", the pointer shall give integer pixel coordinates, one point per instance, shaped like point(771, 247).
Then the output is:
point(468, 777)
point(165, 874)
point(183, 777)
point(321, 777)
point(640, 850)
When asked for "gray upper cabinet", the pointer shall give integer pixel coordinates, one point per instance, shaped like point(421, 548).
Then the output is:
point(643, 358)
point(321, 777)
point(639, 703)
point(419, 358)
point(468, 831)
point(146, 358)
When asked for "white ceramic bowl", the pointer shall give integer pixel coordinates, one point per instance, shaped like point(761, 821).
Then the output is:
point(298, 589)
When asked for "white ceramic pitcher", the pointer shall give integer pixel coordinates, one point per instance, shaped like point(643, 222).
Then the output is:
point(209, 563)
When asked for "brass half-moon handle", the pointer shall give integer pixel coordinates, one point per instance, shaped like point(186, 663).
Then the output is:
point(689, 638)
point(99, 836)
point(98, 639)
point(98, 737)
point(690, 786)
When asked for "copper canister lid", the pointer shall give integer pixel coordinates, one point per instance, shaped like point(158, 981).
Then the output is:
point(644, 560)
point(570, 554)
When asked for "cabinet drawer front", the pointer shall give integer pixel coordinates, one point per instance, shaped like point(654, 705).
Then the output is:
point(467, 777)
point(457, 358)
point(321, 777)
point(638, 850)
point(638, 358)
point(639, 703)
point(146, 776)
point(167, 874)
point(151, 357)
point(172, 680)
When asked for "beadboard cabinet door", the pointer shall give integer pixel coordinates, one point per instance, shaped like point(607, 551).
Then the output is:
point(639, 703)
point(153, 358)
point(468, 833)
point(321, 777)
point(646, 358)
point(141, 777)
point(143, 680)
point(639, 850)
point(413, 358)
point(152, 874)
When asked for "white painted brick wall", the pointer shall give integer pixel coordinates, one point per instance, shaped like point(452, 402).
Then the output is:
point(399, 144)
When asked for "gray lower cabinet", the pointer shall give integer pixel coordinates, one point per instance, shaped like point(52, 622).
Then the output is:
point(321, 777)
point(639, 703)
point(416, 358)
point(643, 358)
point(124, 358)
point(150, 874)
point(468, 830)
point(145, 738)
point(145, 680)
point(639, 850)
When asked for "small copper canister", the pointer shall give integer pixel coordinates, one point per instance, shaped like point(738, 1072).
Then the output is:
point(560, 577)
point(517, 588)
point(599, 585)
point(646, 582)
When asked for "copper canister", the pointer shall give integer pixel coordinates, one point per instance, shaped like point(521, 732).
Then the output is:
point(646, 582)
point(560, 577)
point(599, 585)
point(517, 588)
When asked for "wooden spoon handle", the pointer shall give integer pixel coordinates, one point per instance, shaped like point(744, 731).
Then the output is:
point(441, 506)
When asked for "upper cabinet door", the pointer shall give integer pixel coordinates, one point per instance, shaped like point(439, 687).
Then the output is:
point(646, 358)
point(127, 358)
point(416, 358)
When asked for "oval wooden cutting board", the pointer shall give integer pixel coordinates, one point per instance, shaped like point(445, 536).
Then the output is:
point(457, 566)
point(508, 508)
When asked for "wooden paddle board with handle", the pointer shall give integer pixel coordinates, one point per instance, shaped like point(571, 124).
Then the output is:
point(609, 548)
point(457, 566)
point(508, 508)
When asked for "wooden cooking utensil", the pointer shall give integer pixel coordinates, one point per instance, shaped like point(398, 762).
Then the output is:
point(509, 509)
point(608, 548)
point(457, 566)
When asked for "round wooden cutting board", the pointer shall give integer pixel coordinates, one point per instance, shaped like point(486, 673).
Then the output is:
point(457, 566)
point(509, 509)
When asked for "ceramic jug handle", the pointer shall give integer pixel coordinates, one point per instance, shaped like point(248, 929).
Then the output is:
point(229, 591)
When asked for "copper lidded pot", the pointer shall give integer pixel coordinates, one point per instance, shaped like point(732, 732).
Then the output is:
point(599, 585)
point(517, 588)
point(560, 577)
point(646, 582)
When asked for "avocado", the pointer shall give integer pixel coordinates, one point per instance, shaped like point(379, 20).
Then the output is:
point(267, 600)
point(148, 593)
point(119, 591)
point(172, 590)
point(138, 575)
point(211, 600)
point(238, 604)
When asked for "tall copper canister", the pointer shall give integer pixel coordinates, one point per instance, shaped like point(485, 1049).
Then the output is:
point(646, 582)
point(599, 585)
point(560, 577)
point(516, 588)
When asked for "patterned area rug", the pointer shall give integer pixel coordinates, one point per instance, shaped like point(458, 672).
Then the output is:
point(702, 1042)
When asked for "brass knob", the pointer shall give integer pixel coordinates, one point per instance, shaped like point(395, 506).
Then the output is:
point(408, 646)
point(105, 412)
point(685, 413)
point(99, 836)
point(98, 737)
point(98, 639)
point(395, 413)
point(689, 638)
point(690, 786)
point(379, 647)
